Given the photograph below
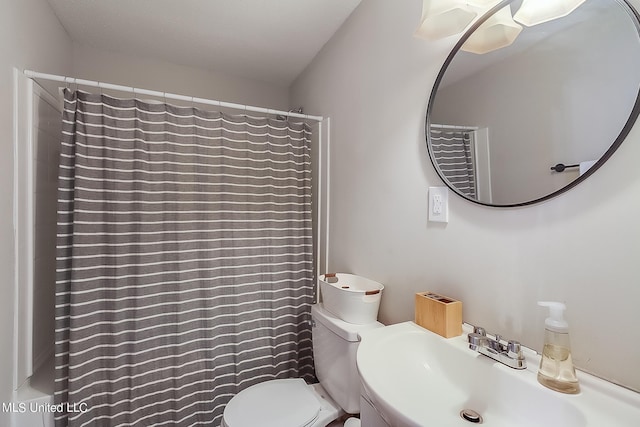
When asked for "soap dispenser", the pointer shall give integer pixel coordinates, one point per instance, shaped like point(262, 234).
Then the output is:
point(556, 366)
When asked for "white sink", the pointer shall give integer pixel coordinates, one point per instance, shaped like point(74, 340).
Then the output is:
point(414, 377)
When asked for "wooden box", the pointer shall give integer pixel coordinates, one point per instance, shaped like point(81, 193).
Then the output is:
point(439, 314)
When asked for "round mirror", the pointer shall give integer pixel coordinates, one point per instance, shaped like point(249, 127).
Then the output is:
point(524, 122)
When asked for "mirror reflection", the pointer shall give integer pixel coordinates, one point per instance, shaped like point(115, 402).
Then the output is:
point(564, 92)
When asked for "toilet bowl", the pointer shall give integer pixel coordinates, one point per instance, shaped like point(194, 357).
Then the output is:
point(293, 402)
point(352, 422)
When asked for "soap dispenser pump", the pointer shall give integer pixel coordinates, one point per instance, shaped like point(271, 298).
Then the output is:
point(556, 366)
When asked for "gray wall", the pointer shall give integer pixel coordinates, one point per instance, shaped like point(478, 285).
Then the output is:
point(373, 79)
point(146, 73)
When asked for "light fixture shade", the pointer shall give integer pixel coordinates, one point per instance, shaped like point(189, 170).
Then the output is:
point(533, 12)
point(483, 3)
point(496, 32)
point(443, 18)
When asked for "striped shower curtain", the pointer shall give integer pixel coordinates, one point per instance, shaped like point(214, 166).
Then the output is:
point(184, 260)
point(452, 153)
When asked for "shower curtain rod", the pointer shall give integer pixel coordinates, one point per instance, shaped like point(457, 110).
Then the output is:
point(454, 127)
point(72, 80)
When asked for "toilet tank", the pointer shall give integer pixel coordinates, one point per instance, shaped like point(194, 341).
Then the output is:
point(335, 343)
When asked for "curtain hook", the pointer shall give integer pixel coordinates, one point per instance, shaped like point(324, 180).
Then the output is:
point(70, 82)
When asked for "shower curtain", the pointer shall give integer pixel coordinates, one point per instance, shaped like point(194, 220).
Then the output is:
point(184, 260)
point(452, 151)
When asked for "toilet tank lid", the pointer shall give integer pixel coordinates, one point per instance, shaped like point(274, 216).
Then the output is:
point(346, 331)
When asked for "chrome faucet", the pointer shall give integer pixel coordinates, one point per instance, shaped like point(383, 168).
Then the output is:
point(509, 354)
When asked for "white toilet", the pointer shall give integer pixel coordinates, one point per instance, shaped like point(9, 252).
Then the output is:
point(292, 402)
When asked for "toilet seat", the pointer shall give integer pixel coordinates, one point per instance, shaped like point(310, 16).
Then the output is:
point(275, 403)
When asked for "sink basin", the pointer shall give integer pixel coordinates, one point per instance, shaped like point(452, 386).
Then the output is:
point(414, 377)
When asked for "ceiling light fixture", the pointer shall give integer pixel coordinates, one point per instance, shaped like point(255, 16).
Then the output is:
point(533, 12)
point(444, 18)
point(499, 31)
point(483, 3)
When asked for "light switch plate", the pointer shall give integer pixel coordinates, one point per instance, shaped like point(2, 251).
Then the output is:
point(439, 204)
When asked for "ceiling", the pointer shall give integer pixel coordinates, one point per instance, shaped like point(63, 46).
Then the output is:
point(265, 40)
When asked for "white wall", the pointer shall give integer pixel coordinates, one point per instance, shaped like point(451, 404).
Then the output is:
point(30, 37)
point(373, 79)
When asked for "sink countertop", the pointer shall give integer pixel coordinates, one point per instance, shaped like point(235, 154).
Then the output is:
point(417, 378)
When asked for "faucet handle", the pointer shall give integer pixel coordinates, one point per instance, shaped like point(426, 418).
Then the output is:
point(476, 340)
point(480, 331)
point(514, 350)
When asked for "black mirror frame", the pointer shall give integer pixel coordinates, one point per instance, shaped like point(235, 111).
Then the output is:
point(634, 16)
